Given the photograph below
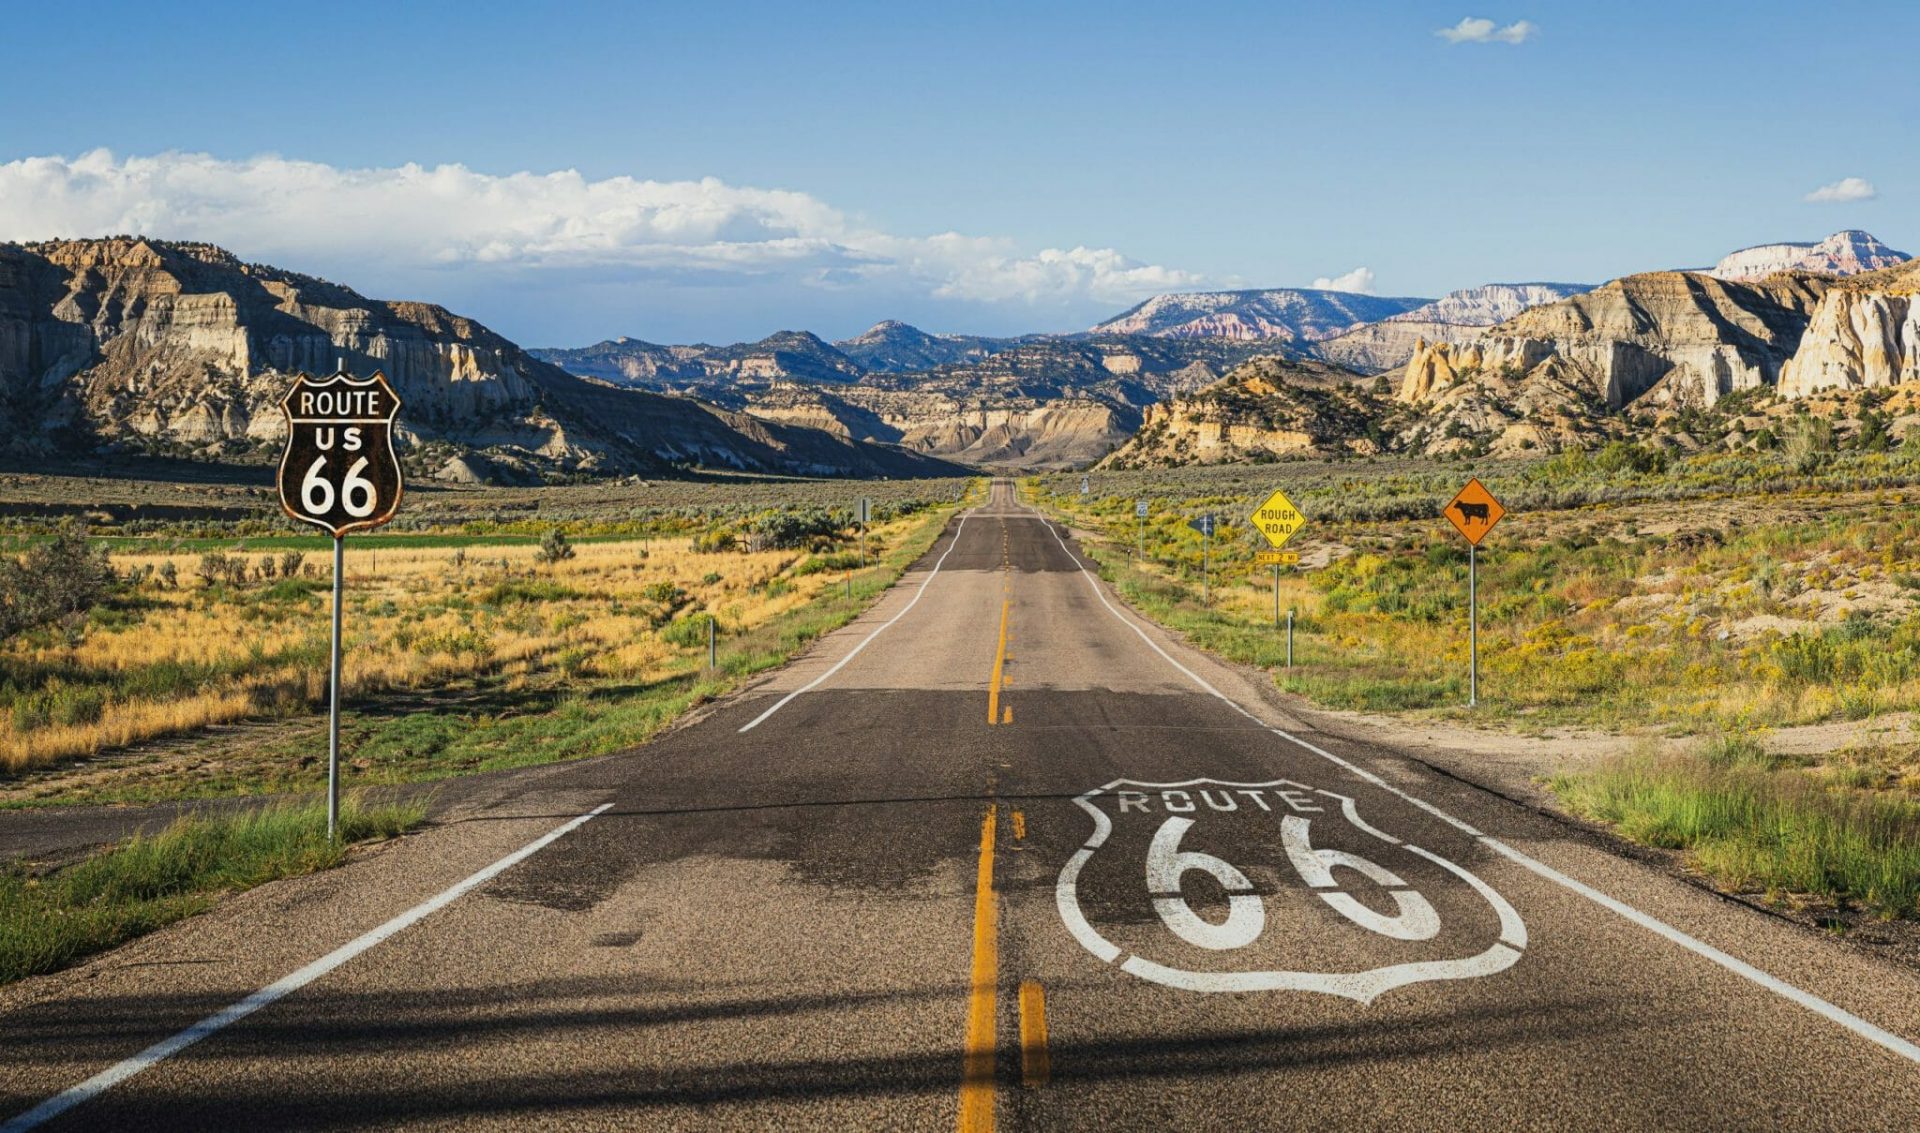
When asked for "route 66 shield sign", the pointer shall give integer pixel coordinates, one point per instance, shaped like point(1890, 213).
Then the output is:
point(339, 471)
point(1208, 885)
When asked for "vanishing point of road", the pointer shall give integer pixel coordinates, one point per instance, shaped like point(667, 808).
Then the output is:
point(1002, 855)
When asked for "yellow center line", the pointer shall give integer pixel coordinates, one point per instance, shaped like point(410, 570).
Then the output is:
point(976, 1081)
point(1036, 1064)
point(999, 665)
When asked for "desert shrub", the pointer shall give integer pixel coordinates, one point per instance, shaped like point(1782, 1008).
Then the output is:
point(714, 540)
point(686, 632)
point(554, 548)
point(780, 530)
point(56, 579)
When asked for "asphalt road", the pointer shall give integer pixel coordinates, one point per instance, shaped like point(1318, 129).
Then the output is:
point(997, 855)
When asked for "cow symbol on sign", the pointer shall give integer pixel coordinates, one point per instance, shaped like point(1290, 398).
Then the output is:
point(339, 471)
point(1166, 889)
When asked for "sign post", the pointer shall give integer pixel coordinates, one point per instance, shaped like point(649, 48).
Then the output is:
point(340, 474)
point(1473, 512)
point(866, 516)
point(1204, 525)
point(1279, 520)
point(1140, 527)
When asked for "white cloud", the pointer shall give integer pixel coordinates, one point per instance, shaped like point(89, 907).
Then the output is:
point(1474, 29)
point(1844, 190)
point(1358, 280)
point(312, 216)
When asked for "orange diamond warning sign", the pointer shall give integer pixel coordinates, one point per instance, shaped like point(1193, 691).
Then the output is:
point(1474, 511)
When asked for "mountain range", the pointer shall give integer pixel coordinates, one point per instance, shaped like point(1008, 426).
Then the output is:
point(183, 348)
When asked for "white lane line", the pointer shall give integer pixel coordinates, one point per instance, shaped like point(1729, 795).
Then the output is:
point(1879, 1036)
point(166, 1048)
point(855, 651)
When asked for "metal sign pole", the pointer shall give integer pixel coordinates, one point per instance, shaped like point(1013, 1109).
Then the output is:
point(333, 693)
point(1206, 579)
point(1289, 640)
point(1473, 625)
point(1276, 595)
point(712, 658)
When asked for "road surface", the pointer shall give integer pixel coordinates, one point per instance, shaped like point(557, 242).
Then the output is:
point(998, 855)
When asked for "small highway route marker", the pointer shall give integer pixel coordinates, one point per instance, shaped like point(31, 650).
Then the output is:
point(1277, 519)
point(339, 473)
point(1203, 524)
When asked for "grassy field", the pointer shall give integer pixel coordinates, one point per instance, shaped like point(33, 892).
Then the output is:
point(465, 651)
point(48, 922)
point(1694, 598)
point(1723, 597)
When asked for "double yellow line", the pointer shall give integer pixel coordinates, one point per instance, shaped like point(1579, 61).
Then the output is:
point(999, 671)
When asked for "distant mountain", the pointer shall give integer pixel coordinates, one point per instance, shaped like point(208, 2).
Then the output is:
point(896, 347)
point(1843, 253)
point(182, 348)
point(1386, 345)
point(784, 356)
point(1287, 314)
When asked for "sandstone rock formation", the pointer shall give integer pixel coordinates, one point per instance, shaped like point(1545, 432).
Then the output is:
point(1674, 337)
point(1267, 409)
point(1454, 318)
point(1864, 334)
point(184, 348)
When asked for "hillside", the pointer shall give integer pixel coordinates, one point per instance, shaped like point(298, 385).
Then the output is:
point(1285, 313)
point(1455, 317)
point(1675, 338)
point(182, 348)
point(1267, 409)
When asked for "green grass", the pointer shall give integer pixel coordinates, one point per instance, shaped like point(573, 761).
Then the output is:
point(53, 921)
point(1753, 825)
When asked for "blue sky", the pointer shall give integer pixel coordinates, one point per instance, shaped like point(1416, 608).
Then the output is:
point(992, 168)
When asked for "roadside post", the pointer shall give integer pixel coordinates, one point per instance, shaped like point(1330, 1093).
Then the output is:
point(712, 658)
point(1278, 520)
point(1473, 511)
point(1085, 485)
point(1204, 525)
point(866, 516)
point(339, 473)
point(1140, 527)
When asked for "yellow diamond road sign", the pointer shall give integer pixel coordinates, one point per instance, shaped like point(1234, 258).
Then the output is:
point(1278, 519)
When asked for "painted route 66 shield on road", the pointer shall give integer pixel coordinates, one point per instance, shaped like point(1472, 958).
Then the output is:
point(1208, 885)
point(339, 471)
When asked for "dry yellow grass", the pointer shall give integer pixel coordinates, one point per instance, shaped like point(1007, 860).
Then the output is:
point(416, 618)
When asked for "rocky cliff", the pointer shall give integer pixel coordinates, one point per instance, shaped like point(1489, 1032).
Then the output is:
point(1844, 253)
point(1865, 333)
point(1676, 338)
point(1455, 318)
point(184, 348)
point(1284, 313)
